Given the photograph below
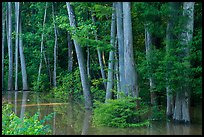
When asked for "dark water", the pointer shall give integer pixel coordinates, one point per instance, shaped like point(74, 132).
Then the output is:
point(71, 119)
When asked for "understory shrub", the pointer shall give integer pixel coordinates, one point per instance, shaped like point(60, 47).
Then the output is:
point(120, 113)
point(29, 125)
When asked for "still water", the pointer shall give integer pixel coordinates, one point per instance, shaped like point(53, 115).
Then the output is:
point(70, 118)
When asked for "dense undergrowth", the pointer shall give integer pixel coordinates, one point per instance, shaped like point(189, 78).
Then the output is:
point(29, 125)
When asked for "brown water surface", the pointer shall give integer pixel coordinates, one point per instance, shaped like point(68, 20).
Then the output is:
point(71, 119)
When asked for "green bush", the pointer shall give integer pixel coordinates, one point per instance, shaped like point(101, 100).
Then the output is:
point(120, 113)
point(69, 86)
point(13, 125)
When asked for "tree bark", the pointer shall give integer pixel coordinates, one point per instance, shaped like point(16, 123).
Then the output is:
point(22, 59)
point(2, 52)
point(119, 20)
point(170, 37)
point(41, 48)
point(130, 67)
point(10, 49)
point(182, 102)
point(111, 56)
point(80, 58)
point(149, 48)
point(70, 53)
point(55, 49)
point(17, 42)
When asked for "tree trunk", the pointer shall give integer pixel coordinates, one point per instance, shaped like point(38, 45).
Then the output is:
point(88, 62)
point(119, 20)
point(182, 102)
point(41, 48)
point(130, 72)
point(17, 43)
point(117, 73)
point(170, 37)
point(111, 57)
point(55, 49)
point(80, 58)
point(2, 52)
point(10, 49)
point(149, 48)
point(99, 55)
point(22, 59)
point(70, 53)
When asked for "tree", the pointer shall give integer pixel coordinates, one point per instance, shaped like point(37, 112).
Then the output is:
point(170, 42)
point(22, 59)
point(182, 102)
point(17, 43)
point(149, 48)
point(41, 47)
point(55, 49)
point(10, 49)
point(99, 55)
point(129, 63)
point(111, 57)
point(120, 34)
point(3, 41)
point(80, 58)
point(70, 52)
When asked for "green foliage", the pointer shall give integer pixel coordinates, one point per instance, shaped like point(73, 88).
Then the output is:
point(96, 92)
point(69, 86)
point(120, 113)
point(30, 125)
point(157, 113)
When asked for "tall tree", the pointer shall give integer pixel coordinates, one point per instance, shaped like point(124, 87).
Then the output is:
point(80, 58)
point(149, 48)
point(55, 49)
point(2, 52)
point(182, 102)
point(119, 21)
point(170, 42)
point(111, 56)
point(22, 59)
point(10, 49)
point(70, 52)
point(17, 43)
point(41, 47)
point(129, 63)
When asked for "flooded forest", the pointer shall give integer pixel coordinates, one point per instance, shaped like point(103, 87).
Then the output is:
point(101, 68)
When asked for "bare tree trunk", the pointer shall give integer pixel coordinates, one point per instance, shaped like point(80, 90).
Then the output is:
point(88, 62)
point(111, 56)
point(10, 49)
point(70, 52)
point(149, 48)
point(17, 43)
point(80, 58)
point(117, 73)
point(41, 49)
point(130, 72)
point(55, 49)
point(2, 52)
point(22, 59)
point(170, 37)
point(100, 59)
point(119, 20)
point(169, 94)
point(182, 102)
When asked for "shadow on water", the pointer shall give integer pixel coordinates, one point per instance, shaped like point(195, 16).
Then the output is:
point(70, 118)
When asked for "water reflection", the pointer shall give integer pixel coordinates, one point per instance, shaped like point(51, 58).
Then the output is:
point(70, 118)
point(23, 104)
point(86, 122)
